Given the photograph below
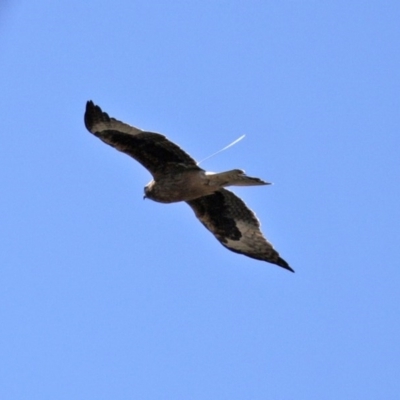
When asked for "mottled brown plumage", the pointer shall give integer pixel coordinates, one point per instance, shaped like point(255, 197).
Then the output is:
point(177, 177)
point(235, 226)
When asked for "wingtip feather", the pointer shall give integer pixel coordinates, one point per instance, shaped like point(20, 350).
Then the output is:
point(282, 263)
point(94, 114)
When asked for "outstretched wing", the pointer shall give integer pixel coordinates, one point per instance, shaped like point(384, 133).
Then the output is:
point(235, 226)
point(152, 150)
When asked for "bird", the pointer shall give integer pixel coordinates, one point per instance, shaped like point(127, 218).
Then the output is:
point(177, 177)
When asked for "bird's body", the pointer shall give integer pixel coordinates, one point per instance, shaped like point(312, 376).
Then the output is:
point(177, 177)
point(190, 183)
point(187, 184)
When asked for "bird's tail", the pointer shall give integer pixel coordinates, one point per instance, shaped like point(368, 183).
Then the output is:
point(235, 177)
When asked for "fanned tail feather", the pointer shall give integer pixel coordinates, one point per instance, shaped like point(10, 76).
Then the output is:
point(235, 177)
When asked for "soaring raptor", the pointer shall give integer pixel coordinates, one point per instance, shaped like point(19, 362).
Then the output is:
point(177, 177)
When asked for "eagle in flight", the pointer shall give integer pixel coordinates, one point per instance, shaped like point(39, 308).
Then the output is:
point(177, 177)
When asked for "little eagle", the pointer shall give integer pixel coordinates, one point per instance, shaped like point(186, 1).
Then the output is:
point(177, 177)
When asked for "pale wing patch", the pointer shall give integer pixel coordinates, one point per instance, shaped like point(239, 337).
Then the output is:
point(115, 125)
point(252, 240)
point(251, 237)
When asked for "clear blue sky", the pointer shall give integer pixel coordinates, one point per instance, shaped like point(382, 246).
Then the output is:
point(106, 296)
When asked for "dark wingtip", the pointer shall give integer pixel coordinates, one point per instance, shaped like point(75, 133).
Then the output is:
point(282, 263)
point(93, 114)
point(90, 107)
point(89, 115)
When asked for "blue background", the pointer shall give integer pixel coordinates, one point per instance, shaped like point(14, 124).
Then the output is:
point(106, 296)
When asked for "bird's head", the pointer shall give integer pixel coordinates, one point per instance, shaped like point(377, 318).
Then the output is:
point(148, 191)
